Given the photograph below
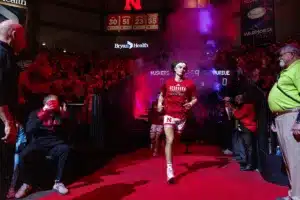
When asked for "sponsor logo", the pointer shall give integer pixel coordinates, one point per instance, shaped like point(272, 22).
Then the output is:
point(258, 32)
point(177, 89)
point(257, 13)
point(130, 45)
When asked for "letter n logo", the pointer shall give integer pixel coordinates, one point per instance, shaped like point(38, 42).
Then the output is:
point(169, 120)
point(133, 4)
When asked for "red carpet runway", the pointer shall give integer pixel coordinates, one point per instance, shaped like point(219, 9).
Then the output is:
point(203, 175)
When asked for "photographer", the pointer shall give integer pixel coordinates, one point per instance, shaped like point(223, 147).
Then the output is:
point(244, 112)
point(47, 127)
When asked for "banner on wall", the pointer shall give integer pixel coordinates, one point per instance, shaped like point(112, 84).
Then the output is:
point(257, 22)
point(13, 10)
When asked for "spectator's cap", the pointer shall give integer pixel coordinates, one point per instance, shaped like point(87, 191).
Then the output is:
point(289, 48)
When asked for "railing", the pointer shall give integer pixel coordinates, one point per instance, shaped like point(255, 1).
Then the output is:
point(112, 118)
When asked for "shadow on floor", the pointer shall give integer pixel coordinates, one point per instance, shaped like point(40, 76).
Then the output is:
point(112, 192)
point(220, 163)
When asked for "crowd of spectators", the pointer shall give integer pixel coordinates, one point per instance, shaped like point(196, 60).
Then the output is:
point(260, 64)
point(74, 78)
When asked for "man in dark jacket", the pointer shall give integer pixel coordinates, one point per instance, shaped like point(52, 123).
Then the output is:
point(12, 41)
point(46, 127)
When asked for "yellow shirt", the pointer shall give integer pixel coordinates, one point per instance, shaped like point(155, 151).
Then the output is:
point(289, 82)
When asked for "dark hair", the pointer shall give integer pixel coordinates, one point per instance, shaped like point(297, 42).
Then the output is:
point(173, 65)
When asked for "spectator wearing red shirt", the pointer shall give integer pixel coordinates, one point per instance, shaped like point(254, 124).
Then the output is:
point(245, 114)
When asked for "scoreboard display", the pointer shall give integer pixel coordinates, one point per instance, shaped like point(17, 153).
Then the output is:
point(133, 22)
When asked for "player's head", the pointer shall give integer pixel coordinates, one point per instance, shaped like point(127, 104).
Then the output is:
point(179, 68)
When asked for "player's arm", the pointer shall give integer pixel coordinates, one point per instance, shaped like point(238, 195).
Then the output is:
point(161, 96)
point(193, 101)
point(160, 102)
point(160, 99)
point(193, 98)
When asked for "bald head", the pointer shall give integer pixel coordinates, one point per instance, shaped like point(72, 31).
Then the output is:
point(13, 34)
point(8, 26)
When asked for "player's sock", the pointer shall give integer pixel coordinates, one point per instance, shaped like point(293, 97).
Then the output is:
point(170, 173)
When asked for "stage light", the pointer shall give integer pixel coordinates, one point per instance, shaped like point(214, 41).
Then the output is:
point(205, 21)
point(65, 51)
point(44, 43)
point(217, 86)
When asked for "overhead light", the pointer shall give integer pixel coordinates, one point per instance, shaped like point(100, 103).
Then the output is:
point(65, 51)
point(44, 43)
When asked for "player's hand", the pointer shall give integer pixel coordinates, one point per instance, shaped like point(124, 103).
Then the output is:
point(160, 107)
point(188, 106)
point(10, 131)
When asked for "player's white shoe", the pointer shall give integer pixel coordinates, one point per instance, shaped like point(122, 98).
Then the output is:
point(170, 174)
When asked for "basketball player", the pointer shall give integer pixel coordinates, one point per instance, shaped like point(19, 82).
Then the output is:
point(177, 97)
point(156, 129)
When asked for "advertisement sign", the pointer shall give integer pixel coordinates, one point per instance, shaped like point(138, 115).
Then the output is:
point(13, 10)
point(133, 22)
point(257, 22)
point(131, 45)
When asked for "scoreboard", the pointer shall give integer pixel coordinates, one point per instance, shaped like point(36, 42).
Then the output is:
point(133, 22)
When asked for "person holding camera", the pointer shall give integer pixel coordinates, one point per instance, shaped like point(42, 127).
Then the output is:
point(244, 112)
point(46, 127)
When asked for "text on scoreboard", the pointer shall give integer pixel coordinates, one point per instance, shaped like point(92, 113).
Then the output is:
point(137, 22)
